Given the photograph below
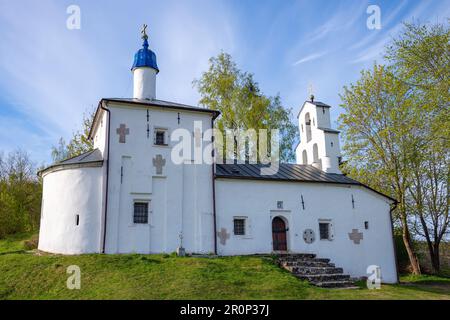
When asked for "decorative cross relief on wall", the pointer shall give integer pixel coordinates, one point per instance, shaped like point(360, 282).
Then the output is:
point(159, 162)
point(355, 236)
point(197, 138)
point(122, 131)
point(309, 236)
point(223, 236)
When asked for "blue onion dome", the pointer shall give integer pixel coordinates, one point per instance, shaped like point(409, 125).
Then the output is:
point(145, 57)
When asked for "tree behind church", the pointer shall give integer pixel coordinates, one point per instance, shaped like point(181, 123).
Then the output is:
point(420, 57)
point(396, 130)
point(243, 106)
point(78, 144)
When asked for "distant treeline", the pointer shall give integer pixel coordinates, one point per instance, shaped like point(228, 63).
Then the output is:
point(20, 194)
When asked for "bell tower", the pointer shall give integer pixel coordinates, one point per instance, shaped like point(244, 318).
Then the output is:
point(319, 144)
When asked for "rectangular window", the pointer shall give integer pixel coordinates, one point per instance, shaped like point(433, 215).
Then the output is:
point(239, 226)
point(324, 228)
point(160, 137)
point(140, 212)
point(77, 219)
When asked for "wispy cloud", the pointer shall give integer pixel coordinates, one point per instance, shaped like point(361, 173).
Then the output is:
point(310, 57)
point(339, 19)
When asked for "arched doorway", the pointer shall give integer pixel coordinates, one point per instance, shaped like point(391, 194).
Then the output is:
point(279, 237)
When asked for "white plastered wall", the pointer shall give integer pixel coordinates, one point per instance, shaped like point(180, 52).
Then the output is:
point(257, 200)
point(66, 194)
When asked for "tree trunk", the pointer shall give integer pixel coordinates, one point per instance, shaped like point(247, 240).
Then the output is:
point(435, 260)
point(409, 248)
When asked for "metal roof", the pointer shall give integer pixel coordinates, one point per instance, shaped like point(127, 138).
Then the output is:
point(328, 130)
point(87, 158)
point(316, 103)
point(162, 103)
point(90, 156)
point(287, 172)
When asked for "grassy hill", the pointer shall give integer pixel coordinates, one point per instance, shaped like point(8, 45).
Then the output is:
point(30, 275)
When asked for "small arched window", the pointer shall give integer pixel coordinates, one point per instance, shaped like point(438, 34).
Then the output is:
point(315, 153)
point(304, 157)
point(308, 127)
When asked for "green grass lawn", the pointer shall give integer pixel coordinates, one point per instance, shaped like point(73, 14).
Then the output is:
point(27, 275)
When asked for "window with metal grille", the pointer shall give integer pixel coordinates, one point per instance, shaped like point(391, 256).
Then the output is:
point(140, 212)
point(324, 229)
point(239, 227)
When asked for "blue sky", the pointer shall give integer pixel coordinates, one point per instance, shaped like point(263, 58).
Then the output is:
point(49, 75)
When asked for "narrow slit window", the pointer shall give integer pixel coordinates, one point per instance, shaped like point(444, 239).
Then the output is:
point(77, 219)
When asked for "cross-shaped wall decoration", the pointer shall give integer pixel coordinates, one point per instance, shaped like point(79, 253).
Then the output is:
point(353, 202)
point(303, 202)
point(197, 137)
point(355, 236)
point(309, 236)
point(159, 162)
point(122, 131)
point(223, 236)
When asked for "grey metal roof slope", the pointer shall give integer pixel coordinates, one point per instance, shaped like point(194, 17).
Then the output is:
point(328, 130)
point(316, 103)
point(90, 158)
point(287, 172)
point(162, 103)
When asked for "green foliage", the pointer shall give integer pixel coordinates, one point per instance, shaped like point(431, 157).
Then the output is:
point(134, 276)
point(421, 58)
point(396, 130)
point(243, 106)
point(20, 194)
point(78, 144)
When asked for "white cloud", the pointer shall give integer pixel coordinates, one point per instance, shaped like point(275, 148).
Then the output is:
point(311, 57)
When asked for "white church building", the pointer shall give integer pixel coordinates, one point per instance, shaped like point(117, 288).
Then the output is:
point(128, 196)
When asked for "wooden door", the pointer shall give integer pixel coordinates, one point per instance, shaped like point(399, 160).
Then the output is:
point(279, 234)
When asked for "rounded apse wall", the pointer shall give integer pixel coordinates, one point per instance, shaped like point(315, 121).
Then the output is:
point(71, 211)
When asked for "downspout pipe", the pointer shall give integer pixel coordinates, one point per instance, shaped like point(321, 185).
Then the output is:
point(393, 207)
point(105, 215)
point(214, 189)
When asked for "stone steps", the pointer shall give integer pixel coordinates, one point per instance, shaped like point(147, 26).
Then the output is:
point(315, 278)
point(293, 259)
point(314, 270)
point(307, 263)
point(317, 271)
point(344, 284)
